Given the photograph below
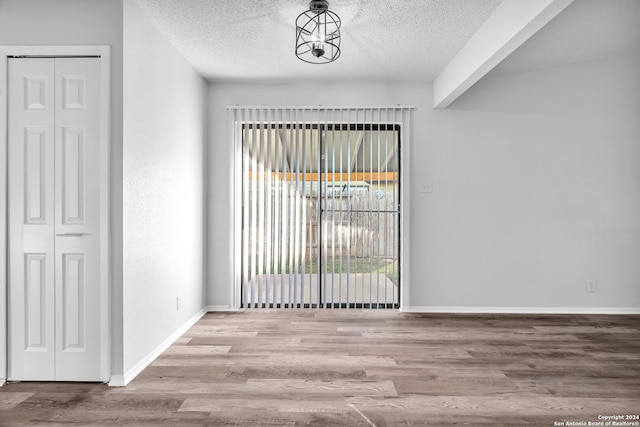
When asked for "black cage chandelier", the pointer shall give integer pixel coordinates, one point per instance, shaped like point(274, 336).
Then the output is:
point(318, 34)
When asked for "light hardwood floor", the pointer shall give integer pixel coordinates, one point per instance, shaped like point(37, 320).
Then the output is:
point(362, 368)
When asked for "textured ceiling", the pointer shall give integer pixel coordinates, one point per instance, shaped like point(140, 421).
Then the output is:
point(586, 30)
point(382, 40)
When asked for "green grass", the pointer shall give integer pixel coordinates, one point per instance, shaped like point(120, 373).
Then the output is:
point(345, 265)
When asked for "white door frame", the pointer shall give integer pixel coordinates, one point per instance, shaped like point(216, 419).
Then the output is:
point(104, 52)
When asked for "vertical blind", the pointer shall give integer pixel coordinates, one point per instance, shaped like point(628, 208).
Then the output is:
point(319, 202)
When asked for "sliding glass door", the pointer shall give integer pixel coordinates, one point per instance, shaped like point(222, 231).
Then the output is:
point(320, 214)
point(359, 216)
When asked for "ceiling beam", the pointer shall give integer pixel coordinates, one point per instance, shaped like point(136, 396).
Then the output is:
point(510, 25)
point(391, 151)
point(285, 146)
point(356, 150)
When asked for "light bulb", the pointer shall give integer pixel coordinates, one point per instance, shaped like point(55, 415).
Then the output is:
point(317, 45)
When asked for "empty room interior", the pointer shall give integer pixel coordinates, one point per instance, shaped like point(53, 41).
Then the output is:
point(294, 212)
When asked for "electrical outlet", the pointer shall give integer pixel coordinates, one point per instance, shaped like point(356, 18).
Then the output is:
point(426, 186)
point(178, 303)
point(591, 286)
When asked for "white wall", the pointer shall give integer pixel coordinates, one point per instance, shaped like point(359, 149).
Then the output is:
point(78, 22)
point(220, 173)
point(537, 179)
point(536, 187)
point(163, 195)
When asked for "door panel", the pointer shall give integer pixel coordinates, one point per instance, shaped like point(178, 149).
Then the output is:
point(54, 305)
point(31, 216)
point(73, 309)
point(73, 175)
point(77, 193)
point(35, 187)
point(37, 336)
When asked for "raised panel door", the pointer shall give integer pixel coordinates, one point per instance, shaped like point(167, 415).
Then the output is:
point(77, 195)
point(54, 191)
point(31, 219)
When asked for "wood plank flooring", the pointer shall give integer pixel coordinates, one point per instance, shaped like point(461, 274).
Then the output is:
point(363, 368)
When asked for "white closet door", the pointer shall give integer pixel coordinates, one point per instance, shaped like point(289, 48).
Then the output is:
point(77, 219)
point(31, 219)
point(54, 218)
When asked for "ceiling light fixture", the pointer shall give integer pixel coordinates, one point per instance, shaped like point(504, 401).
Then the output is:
point(318, 34)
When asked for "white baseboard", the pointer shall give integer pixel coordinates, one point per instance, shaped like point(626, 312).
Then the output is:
point(521, 310)
point(220, 308)
point(120, 381)
point(3, 381)
point(117, 381)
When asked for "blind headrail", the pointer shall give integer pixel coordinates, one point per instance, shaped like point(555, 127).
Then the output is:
point(322, 107)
